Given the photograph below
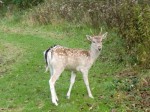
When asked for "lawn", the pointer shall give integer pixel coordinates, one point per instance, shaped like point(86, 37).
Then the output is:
point(24, 85)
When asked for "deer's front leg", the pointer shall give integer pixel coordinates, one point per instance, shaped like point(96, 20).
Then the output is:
point(86, 81)
point(72, 80)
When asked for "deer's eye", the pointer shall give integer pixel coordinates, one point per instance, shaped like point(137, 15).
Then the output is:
point(94, 42)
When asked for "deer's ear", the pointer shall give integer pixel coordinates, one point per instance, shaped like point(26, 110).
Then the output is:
point(104, 35)
point(89, 37)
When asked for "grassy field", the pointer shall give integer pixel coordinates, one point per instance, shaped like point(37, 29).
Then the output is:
point(24, 85)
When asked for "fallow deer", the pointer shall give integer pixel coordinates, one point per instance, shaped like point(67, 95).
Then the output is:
point(59, 58)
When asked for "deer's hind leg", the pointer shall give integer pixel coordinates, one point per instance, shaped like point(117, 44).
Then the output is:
point(56, 73)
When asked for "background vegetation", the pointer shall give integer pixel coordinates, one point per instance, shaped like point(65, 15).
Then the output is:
point(119, 79)
point(129, 18)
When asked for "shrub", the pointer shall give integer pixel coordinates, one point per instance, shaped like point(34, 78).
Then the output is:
point(23, 3)
point(134, 27)
point(130, 18)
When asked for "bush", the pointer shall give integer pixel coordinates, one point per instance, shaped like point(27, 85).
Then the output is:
point(134, 27)
point(23, 3)
point(130, 18)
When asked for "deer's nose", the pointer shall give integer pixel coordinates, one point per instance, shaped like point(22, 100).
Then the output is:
point(99, 49)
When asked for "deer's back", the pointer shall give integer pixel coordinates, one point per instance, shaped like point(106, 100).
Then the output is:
point(70, 58)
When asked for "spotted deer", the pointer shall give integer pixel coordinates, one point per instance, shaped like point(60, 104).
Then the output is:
point(59, 58)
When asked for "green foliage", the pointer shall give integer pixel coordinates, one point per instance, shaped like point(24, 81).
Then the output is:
point(130, 18)
point(135, 29)
point(23, 3)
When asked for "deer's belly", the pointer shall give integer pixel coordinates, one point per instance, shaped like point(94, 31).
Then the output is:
point(75, 66)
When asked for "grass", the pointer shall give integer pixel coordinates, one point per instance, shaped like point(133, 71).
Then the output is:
point(24, 87)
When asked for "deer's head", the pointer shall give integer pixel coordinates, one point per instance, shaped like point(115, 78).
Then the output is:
point(96, 41)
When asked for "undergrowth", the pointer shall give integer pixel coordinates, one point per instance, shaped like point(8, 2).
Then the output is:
point(129, 18)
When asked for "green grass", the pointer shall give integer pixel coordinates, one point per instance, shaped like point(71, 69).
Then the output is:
point(24, 87)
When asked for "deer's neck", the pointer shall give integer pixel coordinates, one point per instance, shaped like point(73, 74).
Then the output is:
point(94, 53)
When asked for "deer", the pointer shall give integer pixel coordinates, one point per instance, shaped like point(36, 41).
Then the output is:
point(59, 58)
